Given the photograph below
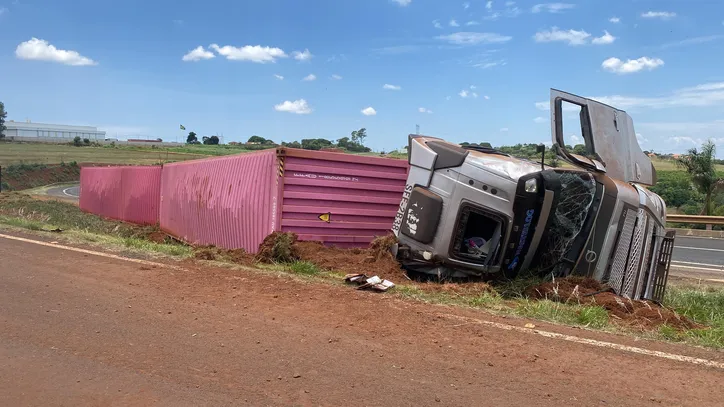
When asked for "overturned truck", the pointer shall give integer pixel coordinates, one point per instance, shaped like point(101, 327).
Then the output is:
point(475, 211)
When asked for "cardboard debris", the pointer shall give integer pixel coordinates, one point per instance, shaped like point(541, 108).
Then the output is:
point(369, 283)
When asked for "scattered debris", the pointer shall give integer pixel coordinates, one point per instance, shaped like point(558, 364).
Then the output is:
point(369, 283)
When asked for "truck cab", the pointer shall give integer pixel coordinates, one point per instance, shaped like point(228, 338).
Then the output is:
point(471, 211)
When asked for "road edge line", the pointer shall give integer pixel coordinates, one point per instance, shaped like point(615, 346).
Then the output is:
point(593, 342)
point(91, 252)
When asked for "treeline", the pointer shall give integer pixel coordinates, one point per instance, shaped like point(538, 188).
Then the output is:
point(354, 143)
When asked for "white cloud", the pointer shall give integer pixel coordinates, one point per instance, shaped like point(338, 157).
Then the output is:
point(575, 139)
point(466, 5)
point(403, 3)
point(489, 5)
point(509, 3)
point(467, 94)
point(605, 39)
point(424, 110)
point(473, 38)
point(469, 23)
point(641, 139)
point(614, 20)
point(572, 37)
point(436, 24)
point(297, 107)
point(3, 10)
point(504, 129)
point(618, 66)
point(663, 15)
point(369, 111)
point(486, 97)
point(473, 87)
point(198, 54)
point(540, 119)
point(707, 94)
point(253, 53)
point(387, 86)
point(281, 78)
point(490, 64)
point(336, 77)
point(551, 7)
point(302, 55)
point(310, 77)
point(454, 23)
point(40, 50)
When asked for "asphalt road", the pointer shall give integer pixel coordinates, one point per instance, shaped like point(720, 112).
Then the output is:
point(65, 192)
point(698, 257)
point(79, 329)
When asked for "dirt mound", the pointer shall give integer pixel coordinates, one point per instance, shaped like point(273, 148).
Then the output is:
point(239, 256)
point(643, 314)
point(279, 247)
point(375, 260)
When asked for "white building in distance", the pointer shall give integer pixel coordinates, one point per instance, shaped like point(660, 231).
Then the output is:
point(50, 133)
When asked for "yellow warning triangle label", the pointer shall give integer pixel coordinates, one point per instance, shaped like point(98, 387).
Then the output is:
point(325, 217)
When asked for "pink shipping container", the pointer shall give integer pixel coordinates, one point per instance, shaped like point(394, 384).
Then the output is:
point(130, 194)
point(236, 201)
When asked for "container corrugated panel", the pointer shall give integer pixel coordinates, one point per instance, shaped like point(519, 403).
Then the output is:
point(360, 194)
point(126, 193)
point(229, 202)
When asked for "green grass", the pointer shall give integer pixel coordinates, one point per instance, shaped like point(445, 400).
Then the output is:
point(21, 211)
point(704, 305)
point(18, 153)
point(304, 267)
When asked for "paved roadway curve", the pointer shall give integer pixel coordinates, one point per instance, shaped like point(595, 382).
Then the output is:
point(79, 329)
point(65, 191)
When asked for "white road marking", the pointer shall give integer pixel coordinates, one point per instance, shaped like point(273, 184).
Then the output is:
point(65, 191)
point(695, 268)
point(593, 342)
point(679, 263)
point(94, 253)
point(698, 248)
point(498, 325)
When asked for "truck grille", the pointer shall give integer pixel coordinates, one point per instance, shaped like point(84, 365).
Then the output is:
point(621, 253)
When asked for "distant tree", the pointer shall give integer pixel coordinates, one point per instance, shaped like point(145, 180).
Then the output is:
point(256, 139)
point(702, 170)
point(77, 141)
point(3, 116)
point(191, 139)
point(213, 140)
point(359, 136)
point(580, 149)
point(353, 146)
point(292, 144)
point(86, 141)
point(316, 143)
point(485, 144)
point(204, 139)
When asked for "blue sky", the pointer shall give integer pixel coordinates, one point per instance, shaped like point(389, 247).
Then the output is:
point(463, 70)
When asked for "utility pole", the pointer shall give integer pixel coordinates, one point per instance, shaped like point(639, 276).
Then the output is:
point(417, 129)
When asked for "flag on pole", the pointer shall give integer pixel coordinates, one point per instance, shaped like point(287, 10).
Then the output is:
point(182, 127)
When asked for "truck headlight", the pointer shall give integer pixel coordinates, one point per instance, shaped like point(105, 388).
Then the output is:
point(531, 185)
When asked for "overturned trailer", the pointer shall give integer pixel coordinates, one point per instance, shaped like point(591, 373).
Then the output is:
point(475, 211)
